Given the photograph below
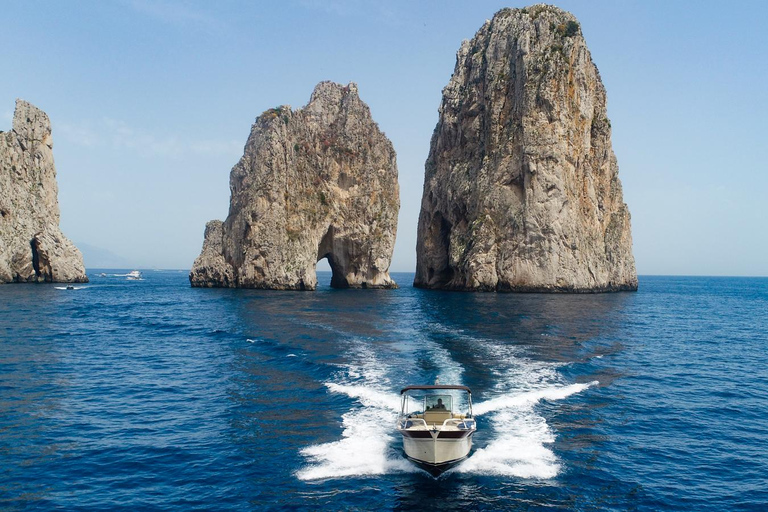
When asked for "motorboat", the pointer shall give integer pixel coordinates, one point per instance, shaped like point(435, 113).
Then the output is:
point(134, 275)
point(437, 425)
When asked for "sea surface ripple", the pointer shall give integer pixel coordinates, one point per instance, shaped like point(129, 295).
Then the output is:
point(151, 395)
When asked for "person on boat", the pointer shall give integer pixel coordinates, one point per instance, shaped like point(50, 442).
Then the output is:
point(439, 406)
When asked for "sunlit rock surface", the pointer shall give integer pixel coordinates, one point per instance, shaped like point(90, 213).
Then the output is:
point(317, 182)
point(32, 248)
point(521, 188)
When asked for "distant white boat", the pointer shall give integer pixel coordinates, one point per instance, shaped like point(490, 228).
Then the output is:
point(134, 275)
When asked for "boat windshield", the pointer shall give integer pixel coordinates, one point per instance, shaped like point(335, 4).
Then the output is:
point(438, 403)
point(420, 401)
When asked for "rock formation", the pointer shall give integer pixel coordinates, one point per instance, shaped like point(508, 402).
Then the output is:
point(32, 248)
point(317, 182)
point(521, 189)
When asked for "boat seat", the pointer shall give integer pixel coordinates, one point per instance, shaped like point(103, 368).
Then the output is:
point(436, 417)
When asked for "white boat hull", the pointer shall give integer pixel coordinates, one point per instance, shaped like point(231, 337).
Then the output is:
point(435, 451)
point(437, 425)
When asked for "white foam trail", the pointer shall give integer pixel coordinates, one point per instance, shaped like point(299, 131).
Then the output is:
point(518, 448)
point(367, 396)
point(368, 429)
point(364, 449)
point(515, 433)
point(529, 398)
point(450, 370)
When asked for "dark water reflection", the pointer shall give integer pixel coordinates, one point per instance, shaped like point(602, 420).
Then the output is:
point(30, 393)
point(152, 395)
point(298, 342)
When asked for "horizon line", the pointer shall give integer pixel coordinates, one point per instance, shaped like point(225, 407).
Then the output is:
point(139, 267)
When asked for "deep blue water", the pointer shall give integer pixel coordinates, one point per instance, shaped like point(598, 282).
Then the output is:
point(149, 395)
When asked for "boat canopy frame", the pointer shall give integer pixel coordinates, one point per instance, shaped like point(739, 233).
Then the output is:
point(436, 386)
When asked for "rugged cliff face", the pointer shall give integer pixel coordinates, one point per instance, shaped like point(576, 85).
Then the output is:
point(317, 182)
point(32, 248)
point(521, 189)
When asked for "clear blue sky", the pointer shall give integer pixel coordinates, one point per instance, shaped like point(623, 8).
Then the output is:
point(152, 101)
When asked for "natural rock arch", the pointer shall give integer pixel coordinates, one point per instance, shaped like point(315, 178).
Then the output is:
point(318, 182)
point(336, 259)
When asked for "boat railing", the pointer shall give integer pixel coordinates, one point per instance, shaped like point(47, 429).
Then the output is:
point(412, 422)
point(460, 423)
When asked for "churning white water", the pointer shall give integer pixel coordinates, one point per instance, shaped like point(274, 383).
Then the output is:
point(368, 433)
point(518, 435)
point(512, 439)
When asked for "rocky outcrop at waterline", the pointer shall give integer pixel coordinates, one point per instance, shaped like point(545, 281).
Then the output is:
point(32, 247)
point(521, 188)
point(316, 182)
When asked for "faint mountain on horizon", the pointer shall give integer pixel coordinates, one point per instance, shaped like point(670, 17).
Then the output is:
point(98, 257)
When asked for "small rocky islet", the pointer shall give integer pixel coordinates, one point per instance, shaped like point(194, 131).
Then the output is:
point(521, 188)
point(32, 247)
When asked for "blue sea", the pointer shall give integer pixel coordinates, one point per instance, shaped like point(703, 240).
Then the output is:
point(151, 395)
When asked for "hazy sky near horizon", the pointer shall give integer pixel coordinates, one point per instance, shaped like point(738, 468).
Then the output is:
point(151, 103)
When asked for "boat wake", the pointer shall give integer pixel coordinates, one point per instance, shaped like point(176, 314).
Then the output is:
point(368, 439)
point(70, 288)
point(529, 398)
point(512, 438)
point(367, 444)
point(519, 435)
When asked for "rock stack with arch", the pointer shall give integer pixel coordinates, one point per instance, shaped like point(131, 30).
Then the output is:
point(313, 183)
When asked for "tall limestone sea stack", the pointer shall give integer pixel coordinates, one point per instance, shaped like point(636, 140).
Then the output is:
point(521, 188)
point(32, 248)
point(317, 182)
